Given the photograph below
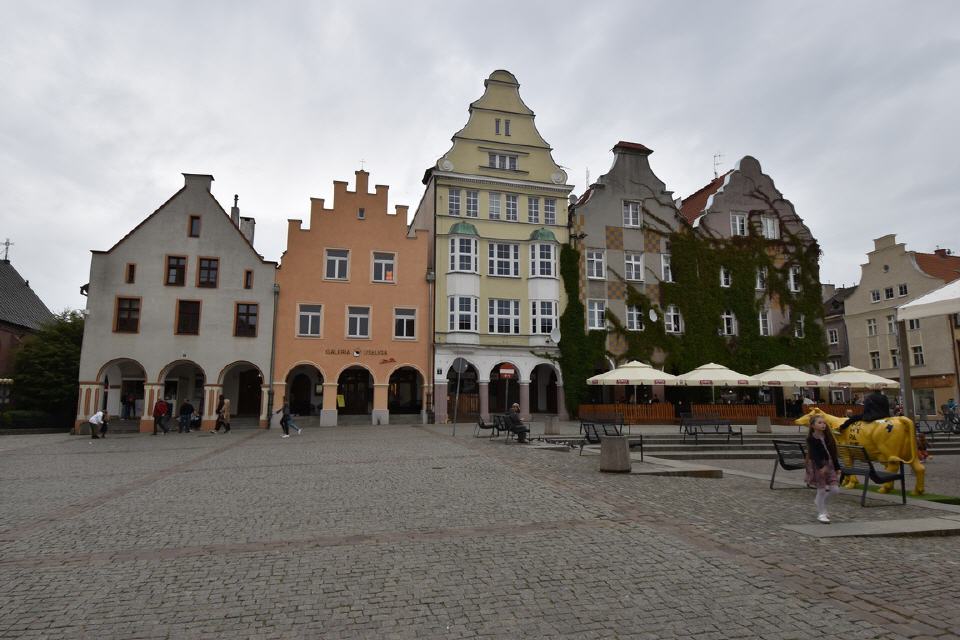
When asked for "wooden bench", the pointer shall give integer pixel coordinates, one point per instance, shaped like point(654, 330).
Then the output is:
point(708, 426)
point(855, 461)
point(791, 455)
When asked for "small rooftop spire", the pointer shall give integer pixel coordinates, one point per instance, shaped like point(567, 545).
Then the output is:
point(235, 210)
point(6, 250)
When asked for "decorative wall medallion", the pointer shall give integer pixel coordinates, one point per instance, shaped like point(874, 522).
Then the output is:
point(559, 177)
point(445, 165)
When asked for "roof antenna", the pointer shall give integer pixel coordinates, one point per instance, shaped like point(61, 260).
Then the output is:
point(6, 250)
point(717, 161)
point(588, 177)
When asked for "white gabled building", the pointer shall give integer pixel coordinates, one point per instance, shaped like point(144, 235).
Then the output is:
point(180, 306)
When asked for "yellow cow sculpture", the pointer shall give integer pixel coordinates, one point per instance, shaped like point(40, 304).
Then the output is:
point(888, 440)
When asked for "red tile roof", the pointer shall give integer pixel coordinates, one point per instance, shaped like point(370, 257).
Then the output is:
point(939, 265)
point(692, 206)
point(632, 146)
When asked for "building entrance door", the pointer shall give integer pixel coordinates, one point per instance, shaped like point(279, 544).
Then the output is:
point(357, 391)
point(248, 402)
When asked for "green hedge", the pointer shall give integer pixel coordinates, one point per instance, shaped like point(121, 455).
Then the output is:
point(16, 418)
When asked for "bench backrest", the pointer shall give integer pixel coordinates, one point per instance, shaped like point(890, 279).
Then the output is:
point(590, 433)
point(792, 454)
point(854, 460)
point(609, 428)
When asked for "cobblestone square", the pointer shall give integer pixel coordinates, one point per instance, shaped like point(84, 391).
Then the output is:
point(407, 532)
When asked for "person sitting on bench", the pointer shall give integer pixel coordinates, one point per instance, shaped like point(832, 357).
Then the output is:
point(516, 425)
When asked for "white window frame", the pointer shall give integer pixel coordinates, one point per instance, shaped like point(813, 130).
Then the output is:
point(888, 293)
point(504, 161)
point(666, 271)
point(493, 205)
point(794, 278)
point(408, 317)
point(311, 316)
point(916, 353)
point(380, 262)
point(473, 203)
point(596, 315)
point(673, 320)
point(458, 255)
point(634, 318)
point(902, 290)
point(728, 323)
point(533, 210)
point(355, 315)
point(874, 359)
point(761, 279)
point(543, 316)
point(892, 325)
point(549, 211)
point(540, 266)
point(726, 278)
point(513, 204)
point(498, 263)
point(453, 201)
point(872, 328)
point(764, 322)
point(337, 261)
point(913, 324)
point(833, 336)
point(503, 311)
point(632, 214)
point(738, 224)
point(596, 264)
point(895, 358)
point(770, 227)
point(633, 266)
point(800, 326)
point(455, 313)
point(874, 296)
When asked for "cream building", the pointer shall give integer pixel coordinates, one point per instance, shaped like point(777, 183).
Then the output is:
point(496, 206)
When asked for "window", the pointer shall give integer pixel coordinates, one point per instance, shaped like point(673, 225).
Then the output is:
point(634, 318)
point(595, 266)
point(543, 316)
point(728, 323)
point(453, 202)
point(194, 227)
point(405, 324)
point(833, 364)
point(383, 267)
point(463, 313)
point(875, 296)
point(361, 213)
point(550, 211)
point(892, 325)
point(738, 224)
point(176, 271)
point(799, 327)
point(913, 325)
point(502, 161)
point(542, 260)
point(309, 320)
point(248, 279)
point(874, 359)
point(128, 315)
point(503, 259)
point(902, 290)
point(771, 227)
point(511, 208)
point(871, 326)
point(725, 278)
point(208, 273)
point(493, 206)
point(506, 127)
point(666, 271)
point(794, 278)
point(131, 275)
point(358, 322)
point(496, 126)
point(463, 255)
point(764, 322)
point(473, 204)
point(895, 358)
point(633, 266)
point(672, 320)
point(833, 336)
point(246, 325)
point(188, 317)
point(338, 261)
point(595, 314)
point(503, 316)
point(917, 355)
point(761, 279)
point(533, 210)
point(888, 293)
point(631, 214)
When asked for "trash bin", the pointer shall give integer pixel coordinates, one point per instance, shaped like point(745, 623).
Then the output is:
point(763, 424)
point(615, 454)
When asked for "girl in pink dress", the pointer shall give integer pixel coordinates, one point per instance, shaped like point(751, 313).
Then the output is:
point(822, 466)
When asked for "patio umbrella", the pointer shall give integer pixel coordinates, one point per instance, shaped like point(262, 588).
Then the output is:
point(783, 375)
point(714, 375)
point(858, 379)
point(632, 373)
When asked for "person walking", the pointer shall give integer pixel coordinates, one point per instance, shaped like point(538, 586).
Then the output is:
point(98, 420)
point(186, 413)
point(822, 465)
point(286, 420)
point(160, 410)
point(223, 415)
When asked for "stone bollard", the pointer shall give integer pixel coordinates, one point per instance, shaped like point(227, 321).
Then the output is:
point(615, 454)
point(763, 424)
point(550, 427)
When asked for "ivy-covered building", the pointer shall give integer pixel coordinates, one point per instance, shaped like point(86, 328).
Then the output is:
point(729, 274)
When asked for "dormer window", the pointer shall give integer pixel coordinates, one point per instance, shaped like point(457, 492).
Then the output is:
point(194, 228)
point(502, 161)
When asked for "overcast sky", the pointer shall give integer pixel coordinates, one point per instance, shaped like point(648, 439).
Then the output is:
point(851, 107)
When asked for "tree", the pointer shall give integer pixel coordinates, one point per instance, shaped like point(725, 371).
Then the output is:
point(47, 365)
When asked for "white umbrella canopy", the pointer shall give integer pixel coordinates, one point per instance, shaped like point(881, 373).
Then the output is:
point(858, 379)
point(783, 375)
point(632, 373)
point(714, 375)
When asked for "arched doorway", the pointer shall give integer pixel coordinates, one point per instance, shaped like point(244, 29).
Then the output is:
point(504, 387)
point(243, 386)
point(543, 389)
point(183, 382)
point(469, 392)
point(123, 394)
point(355, 387)
point(405, 392)
point(305, 390)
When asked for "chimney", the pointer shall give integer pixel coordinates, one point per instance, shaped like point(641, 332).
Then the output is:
point(198, 180)
point(235, 211)
point(247, 227)
point(362, 178)
point(943, 253)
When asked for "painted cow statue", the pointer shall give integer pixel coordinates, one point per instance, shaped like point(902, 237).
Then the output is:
point(887, 440)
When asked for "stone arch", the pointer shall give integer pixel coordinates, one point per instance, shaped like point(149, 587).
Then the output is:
point(503, 390)
point(405, 390)
point(544, 388)
point(183, 381)
point(123, 379)
point(242, 382)
point(303, 388)
point(356, 389)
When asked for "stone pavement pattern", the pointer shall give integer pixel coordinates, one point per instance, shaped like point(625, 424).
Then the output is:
point(406, 532)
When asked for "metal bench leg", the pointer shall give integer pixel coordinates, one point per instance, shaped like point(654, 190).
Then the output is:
point(903, 484)
point(866, 485)
point(776, 463)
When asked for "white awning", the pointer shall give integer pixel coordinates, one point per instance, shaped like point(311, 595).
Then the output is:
point(939, 302)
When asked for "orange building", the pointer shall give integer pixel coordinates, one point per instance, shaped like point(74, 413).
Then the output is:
point(353, 316)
